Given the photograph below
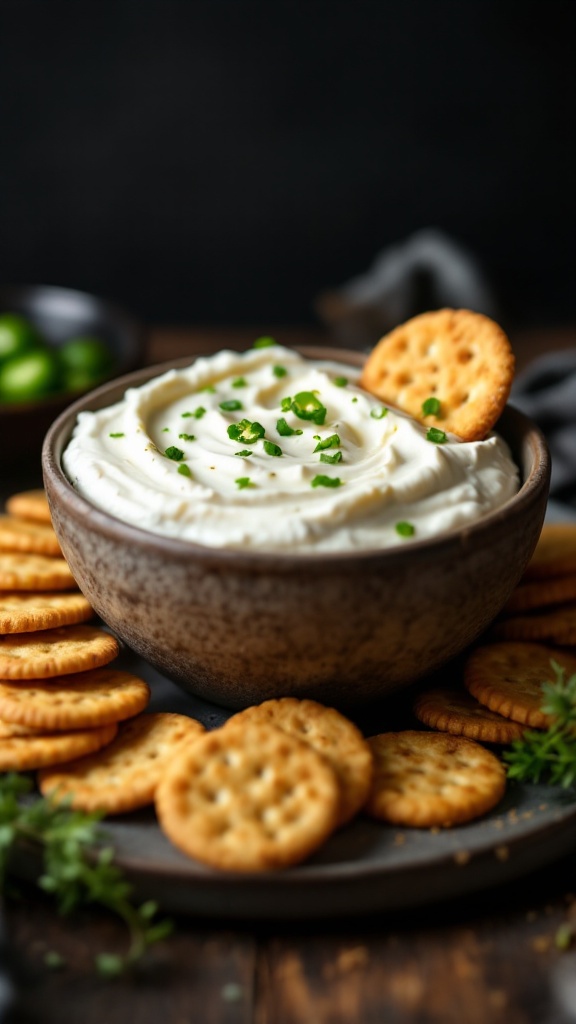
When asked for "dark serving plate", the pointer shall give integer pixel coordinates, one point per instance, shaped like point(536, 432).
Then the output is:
point(59, 314)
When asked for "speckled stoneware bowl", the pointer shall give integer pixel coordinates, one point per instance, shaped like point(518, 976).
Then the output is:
point(238, 627)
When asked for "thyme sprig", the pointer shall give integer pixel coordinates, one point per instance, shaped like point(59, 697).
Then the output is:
point(76, 868)
point(549, 755)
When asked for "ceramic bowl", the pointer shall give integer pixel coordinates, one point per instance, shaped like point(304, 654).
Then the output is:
point(60, 314)
point(238, 627)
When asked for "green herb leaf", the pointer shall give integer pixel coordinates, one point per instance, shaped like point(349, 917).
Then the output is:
point(197, 413)
point(174, 453)
point(244, 453)
point(246, 431)
point(264, 342)
point(184, 469)
point(337, 457)
point(340, 382)
point(435, 435)
point(329, 442)
point(431, 407)
point(379, 413)
point(230, 405)
point(284, 428)
point(117, 433)
point(243, 481)
point(326, 481)
point(272, 449)
point(549, 755)
point(405, 529)
point(240, 382)
point(306, 406)
point(279, 371)
point(187, 437)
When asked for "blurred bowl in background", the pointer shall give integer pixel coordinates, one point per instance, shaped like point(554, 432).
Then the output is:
point(59, 315)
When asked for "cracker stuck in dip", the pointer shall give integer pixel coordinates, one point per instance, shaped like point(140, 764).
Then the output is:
point(267, 450)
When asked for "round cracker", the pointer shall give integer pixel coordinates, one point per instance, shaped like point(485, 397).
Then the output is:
point(32, 505)
point(453, 710)
point(328, 732)
point(557, 626)
point(555, 552)
point(22, 535)
point(432, 779)
point(22, 571)
point(532, 595)
point(27, 612)
point(10, 729)
point(461, 358)
point(55, 652)
point(249, 797)
point(27, 753)
point(125, 775)
point(508, 678)
point(78, 701)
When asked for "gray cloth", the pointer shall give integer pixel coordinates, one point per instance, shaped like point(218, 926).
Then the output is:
point(546, 392)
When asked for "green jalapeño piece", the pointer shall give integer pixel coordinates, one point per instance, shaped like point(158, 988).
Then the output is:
point(435, 435)
point(329, 442)
point(246, 431)
point(174, 453)
point(284, 428)
point(326, 481)
point(405, 529)
point(306, 406)
point(431, 407)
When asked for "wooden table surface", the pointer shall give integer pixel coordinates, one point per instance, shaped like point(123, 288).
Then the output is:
point(491, 957)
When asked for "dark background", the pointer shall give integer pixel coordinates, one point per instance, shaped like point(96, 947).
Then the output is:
point(225, 161)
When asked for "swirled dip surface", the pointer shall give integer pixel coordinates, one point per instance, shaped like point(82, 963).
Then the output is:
point(175, 457)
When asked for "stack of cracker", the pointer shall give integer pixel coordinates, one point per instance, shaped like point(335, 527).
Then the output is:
point(60, 697)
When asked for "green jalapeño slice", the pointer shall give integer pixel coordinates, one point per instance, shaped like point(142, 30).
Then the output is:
point(246, 431)
point(306, 406)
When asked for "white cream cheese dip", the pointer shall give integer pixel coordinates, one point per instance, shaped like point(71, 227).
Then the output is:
point(267, 450)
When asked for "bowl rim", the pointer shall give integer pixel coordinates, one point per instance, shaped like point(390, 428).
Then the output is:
point(494, 523)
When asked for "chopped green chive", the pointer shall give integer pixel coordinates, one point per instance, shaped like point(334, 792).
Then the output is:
point(165, 430)
point(284, 429)
point(337, 457)
point(246, 431)
point(379, 413)
point(329, 442)
point(435, 435)
point(264, 342)
point(184, 469)
point(240, 382)
point(279, 371)
point(405, 529)
point(244, 453)
point(340, 382)
point(306, 406)
point(174, 453)
point(431, 407)
point(286, 404)
point(355, 399)
point(230, 405)
point(197, 414)
point(187, 437)
point(243, 481)
point(272, 449)
point(117, 434)
point(326, 481)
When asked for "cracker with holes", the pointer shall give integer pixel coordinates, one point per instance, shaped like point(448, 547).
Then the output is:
point(78, 701)
point(54, 652)
point(31, 505)
point(27, 753)
point(460, 360)
point(553, 626)
point(331, 734)
point(28, 612)
point(34, 538)
point(24, 571)
point(532, 595)
point(508, 677)
point(432, 779)
point(249, 798)
point(454, 710)
point(126, 774)
point(555, 553)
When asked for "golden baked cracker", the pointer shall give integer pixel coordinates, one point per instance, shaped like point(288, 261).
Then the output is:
point(55, 652)
point(454, 710)
point(555, 552)
point(331, 734)
point(507, 678)
point(34, 538)
point(532, 595)
point(432, 779)
point(81, 700)
point(556, 626)
point(461, 358)
point(32, 505)
point(248, 797)
point(27, 753)
point(28, 611)
point(10, 729)
point(125, 775)
point(23, 571)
